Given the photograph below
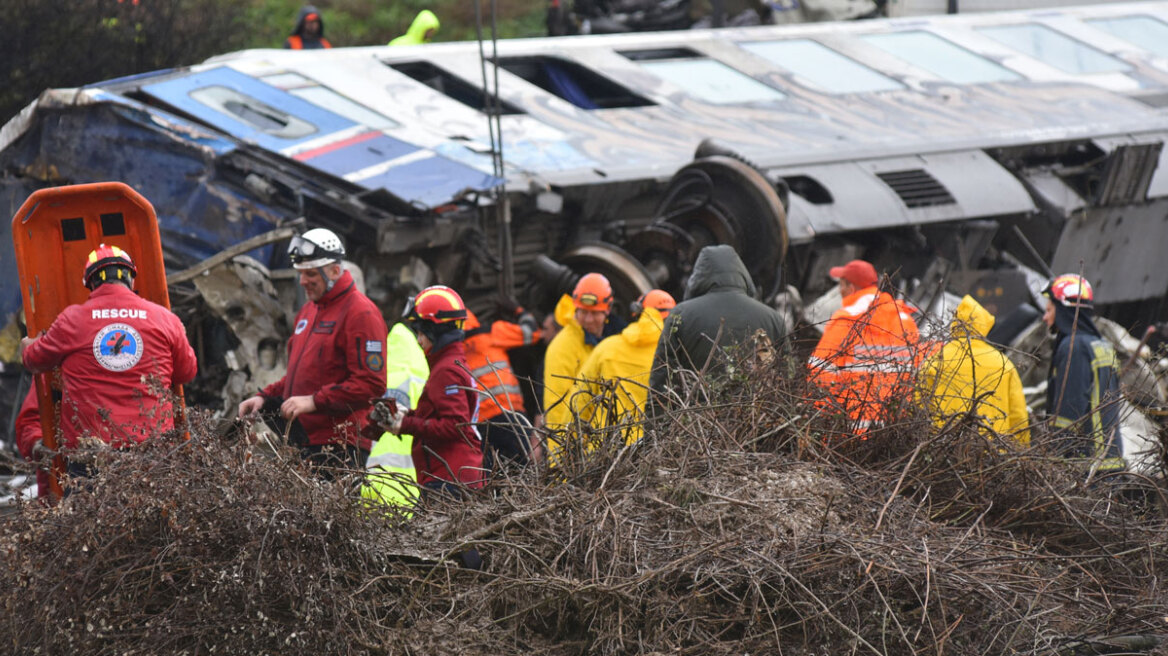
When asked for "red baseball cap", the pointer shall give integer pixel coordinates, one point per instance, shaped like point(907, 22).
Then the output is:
point(858, 272)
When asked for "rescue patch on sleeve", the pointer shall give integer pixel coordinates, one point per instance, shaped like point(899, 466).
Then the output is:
point(373, 346)
point(374, 361)
point(452, 389)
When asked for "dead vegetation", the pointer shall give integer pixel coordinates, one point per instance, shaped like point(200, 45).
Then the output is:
point(742, 523)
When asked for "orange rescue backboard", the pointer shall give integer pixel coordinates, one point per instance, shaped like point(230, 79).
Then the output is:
point(54, 231)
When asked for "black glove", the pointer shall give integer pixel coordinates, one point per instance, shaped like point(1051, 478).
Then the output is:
point(529, 325)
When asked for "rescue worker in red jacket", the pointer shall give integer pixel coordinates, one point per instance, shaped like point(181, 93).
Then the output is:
point(448, 452)
point(507, 431)
point(309, 31)
point(336, 359)
point(29, 439)
point(865, 359)
point(119, 354)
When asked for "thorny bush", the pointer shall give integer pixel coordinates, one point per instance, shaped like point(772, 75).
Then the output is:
point(745, 521)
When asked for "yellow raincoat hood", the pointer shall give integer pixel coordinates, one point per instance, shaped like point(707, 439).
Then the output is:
point(416, 35)
point(969, 369)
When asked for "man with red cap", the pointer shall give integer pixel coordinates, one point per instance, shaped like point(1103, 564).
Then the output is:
point(865, 358)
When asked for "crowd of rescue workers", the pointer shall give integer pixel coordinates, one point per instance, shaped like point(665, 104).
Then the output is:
point(433, 407)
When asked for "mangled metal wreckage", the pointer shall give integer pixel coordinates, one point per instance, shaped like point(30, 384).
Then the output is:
point(963, 154)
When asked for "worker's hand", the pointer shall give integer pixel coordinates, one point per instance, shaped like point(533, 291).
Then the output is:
point(388, 414)
point(87, 443)
point(296, 406)
point(529, 325)
point(41, 452)
point(26, 342)
point(250, 406)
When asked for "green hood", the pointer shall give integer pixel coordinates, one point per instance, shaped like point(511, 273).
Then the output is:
point(416, 35)
point(718, 268)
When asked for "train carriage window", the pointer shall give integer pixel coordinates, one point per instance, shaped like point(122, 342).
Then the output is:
point(453, 87)
point(325, 98)
point(942, 58)
point(572, 82)
point(1148, 33)
point(704, 78)
point(1054, 48)
point(253, 112)
point(821, 66)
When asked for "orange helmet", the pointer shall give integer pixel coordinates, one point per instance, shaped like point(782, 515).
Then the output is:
point(593, 292)
point(658, 299)
point(101, 260)
point(1071, 290)
point(438, 304)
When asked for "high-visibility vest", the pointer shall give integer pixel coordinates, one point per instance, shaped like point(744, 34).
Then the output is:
point(866, 357)
point(486, 356)
point(390, 477)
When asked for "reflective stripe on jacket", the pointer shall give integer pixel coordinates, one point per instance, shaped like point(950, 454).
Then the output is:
point(1083, 396)
point(969, 370)
point(865, 358)
point(486, 355)
point(390, 477)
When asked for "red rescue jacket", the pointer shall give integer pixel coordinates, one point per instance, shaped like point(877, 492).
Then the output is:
point(447, 447)
point(107, 349)
point(337, 355)
point(28, 431)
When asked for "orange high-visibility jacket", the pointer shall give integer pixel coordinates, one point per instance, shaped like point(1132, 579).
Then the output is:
point(866, 358)
point(486, 356)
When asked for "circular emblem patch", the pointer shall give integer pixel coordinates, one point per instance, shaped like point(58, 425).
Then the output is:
point(117, 347)
point(301, 325)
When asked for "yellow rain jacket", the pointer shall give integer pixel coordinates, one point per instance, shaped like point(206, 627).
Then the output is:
point(624, 361)
point(970, 370)
point(424, 27)
point(561, 363)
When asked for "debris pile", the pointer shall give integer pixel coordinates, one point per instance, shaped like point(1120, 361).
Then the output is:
point(742, 523)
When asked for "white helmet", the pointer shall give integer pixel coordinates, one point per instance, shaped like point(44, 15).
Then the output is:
point(315, 248)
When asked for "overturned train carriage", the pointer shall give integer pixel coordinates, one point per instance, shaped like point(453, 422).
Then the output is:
point(957, 152)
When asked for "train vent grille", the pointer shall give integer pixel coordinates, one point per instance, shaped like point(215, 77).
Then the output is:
point(917, 188)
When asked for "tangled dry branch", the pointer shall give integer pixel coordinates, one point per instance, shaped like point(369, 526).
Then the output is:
point(743, 522)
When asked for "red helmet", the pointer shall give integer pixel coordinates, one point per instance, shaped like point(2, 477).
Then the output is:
point(438, 304)
point(593, 292)
point(658, 299)
point(1072, 290)
point(101, 259)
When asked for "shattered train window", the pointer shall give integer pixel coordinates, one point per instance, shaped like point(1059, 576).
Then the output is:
point(1144, 31)
point(1054, 48)
point(942, 58)
point(258, 115)
point(821, 66)
point(572, 82)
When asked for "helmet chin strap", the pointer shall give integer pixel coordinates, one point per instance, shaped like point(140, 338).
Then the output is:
point(328, 282)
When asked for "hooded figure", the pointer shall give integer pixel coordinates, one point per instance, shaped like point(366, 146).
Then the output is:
point(309, 32)
point(422, 30)
point(719, 312)
point(969, 373)
point(1082, 394)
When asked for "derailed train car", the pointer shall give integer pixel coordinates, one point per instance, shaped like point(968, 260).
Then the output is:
point(959, 153)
